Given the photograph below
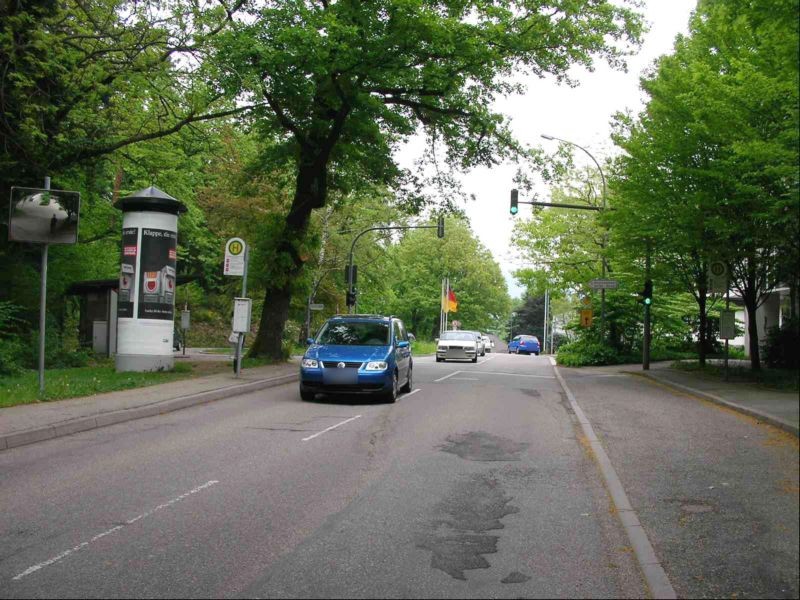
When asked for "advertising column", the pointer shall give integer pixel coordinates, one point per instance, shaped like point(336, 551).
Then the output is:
point(147, 281)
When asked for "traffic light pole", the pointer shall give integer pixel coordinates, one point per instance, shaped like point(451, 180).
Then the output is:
point(351, 307)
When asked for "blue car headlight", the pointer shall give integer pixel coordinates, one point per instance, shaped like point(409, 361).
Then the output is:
point(377, 365)
point(310, 363)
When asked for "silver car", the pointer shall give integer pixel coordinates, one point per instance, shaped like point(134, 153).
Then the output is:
point(457, 345)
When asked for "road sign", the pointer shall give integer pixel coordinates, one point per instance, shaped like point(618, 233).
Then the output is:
point(241, 315)
point(316, 306)
point(717, 277)
point(234, 257)
point(586, 301)
point(604, 284)
point(586, 318)
point(727, 324)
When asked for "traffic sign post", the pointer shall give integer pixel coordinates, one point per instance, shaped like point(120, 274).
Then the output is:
point(43, 216)
point(237, 255)
point(235, 251)
point(718, 277)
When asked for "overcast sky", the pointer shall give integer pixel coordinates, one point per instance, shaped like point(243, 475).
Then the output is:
point(581, 115)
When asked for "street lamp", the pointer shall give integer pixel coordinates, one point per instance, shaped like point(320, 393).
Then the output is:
point(603, 258)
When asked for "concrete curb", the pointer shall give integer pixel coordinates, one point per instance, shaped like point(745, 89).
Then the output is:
point(752, 412)
point(653, 572)
point(49, 432)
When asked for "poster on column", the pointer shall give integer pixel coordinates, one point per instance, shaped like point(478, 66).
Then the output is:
point(157, 279)
point(127, 275)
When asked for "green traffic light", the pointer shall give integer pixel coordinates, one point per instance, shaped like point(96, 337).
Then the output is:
point(514, 210)
point(648, 301)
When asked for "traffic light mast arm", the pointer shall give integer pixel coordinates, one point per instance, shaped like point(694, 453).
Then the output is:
point(380, 228)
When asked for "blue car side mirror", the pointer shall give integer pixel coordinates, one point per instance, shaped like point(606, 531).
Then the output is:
point(309, 341)
point(403, 344)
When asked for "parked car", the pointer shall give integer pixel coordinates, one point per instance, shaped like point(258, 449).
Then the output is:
point(514, 344)
point(358, 354)
point(487, 343)
point(528, 344)
point(457, 345)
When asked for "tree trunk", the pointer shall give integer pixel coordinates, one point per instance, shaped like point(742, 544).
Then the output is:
point(750, 304)
point(274, 314)
point(310, 193)
point(702, 345)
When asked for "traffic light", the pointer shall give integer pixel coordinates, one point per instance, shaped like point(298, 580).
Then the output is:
point(514, 202)
point(351, 298)
point(647, 293)
point(440, 227)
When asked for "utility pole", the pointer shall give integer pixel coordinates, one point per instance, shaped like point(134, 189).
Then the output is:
point(544, 327)
point(646, 340)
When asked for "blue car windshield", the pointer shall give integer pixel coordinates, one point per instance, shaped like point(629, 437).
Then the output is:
point(355, 333)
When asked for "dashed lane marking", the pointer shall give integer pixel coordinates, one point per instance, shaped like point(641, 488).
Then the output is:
point(311, 437)
point(447, 376)
point(99, 536)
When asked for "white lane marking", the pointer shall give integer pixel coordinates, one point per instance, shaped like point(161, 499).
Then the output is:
point(311, 437)
point(100, 536)
point(447, 376)
point(412, 392)
point(466, 379)
point(488, 359)
point(654, 574)
point(513, 374)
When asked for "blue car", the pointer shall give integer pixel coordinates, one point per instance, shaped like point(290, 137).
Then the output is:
point(358, 354)
point(528, 344)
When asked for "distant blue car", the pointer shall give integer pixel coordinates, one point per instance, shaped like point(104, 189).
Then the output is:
point(524, 344)
point(358, 354)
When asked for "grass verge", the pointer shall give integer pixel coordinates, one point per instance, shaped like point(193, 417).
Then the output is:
point(784, 380)
point(423, 347)
point(101, 377)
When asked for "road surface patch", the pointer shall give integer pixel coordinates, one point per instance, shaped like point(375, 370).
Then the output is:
point(481, 446)
point(459, 540)
point(99, 536)
point(515, 577)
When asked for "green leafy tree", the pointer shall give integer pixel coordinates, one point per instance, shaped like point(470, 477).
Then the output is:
point(711, 165)
point(416, 266)
point(345, 82)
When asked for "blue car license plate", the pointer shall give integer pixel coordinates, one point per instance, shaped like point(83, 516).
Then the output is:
point(340, 376)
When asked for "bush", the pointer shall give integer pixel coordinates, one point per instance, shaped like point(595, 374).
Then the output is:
point(11, 357)
point(782, 346)
point(582, 353)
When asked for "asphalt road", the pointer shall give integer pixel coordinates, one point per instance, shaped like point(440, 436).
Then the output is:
point(477, 484)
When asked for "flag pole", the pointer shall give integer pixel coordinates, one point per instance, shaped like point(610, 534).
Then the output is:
point(441, 307)
point(447, 296)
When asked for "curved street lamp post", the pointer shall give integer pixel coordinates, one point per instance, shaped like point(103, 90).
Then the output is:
point(603, 258)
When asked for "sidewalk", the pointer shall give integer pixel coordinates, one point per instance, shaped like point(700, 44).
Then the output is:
point(30, 423)
point(781, 409)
